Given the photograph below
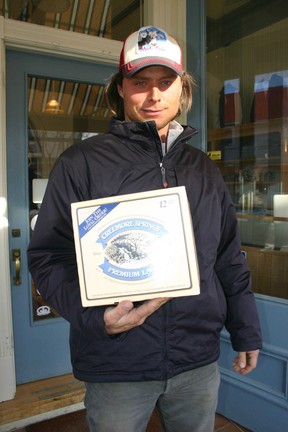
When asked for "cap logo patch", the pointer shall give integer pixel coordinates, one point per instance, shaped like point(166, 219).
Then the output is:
point(151, 38)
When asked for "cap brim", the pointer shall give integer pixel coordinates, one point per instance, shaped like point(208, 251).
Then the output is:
point(132, 68)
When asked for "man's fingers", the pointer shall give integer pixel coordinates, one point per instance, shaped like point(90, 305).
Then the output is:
point(150, 306)
point(241, 360)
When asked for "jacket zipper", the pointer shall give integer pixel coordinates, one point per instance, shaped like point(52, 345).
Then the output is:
point(163, 174)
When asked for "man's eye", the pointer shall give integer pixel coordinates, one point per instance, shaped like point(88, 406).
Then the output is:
point(166, 83)
point(140, 83)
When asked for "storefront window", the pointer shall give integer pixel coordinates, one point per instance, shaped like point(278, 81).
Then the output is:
point(247, 99)
point(111, 19)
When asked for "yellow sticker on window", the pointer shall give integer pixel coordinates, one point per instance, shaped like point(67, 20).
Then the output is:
point(214, 154)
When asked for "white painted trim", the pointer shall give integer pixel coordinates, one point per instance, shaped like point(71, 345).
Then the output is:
point(171, 16)
point(7, 367)
point(52, 41)
point(167, 14)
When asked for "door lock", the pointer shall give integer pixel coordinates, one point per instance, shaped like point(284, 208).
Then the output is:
point(16, 254)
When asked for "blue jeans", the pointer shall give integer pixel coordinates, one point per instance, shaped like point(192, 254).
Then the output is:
point(186, 403)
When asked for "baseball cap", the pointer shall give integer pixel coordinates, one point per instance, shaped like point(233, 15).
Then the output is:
point(150, 46)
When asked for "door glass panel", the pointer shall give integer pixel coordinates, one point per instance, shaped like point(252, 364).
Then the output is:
point(247, 101)
point(60, 113)
point(111, 19)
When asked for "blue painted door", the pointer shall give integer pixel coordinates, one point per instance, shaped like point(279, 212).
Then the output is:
point(35, 137)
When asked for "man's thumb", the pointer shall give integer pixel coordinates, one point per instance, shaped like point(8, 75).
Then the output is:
point(242, 360)
point(124, 307)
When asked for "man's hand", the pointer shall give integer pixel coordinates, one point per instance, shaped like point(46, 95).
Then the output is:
point(245, 362)
point(125, 315)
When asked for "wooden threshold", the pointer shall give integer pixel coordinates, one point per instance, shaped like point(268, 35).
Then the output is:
point(40, 400)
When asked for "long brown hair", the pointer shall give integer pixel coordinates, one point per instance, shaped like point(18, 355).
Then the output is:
point(115, 101)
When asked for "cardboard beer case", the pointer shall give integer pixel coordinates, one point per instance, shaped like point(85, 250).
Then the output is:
point(137, 246)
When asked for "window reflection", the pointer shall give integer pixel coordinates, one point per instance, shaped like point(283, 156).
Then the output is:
point(111, 19)
point(78, 111)
point(231, 109)
point(247, 113)
point(271, 95)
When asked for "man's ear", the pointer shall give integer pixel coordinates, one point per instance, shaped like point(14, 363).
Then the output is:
point(120, 90)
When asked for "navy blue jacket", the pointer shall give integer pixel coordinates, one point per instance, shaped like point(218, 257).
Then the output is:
point(184, 333)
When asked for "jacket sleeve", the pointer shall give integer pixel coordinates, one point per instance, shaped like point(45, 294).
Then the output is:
point(51, 252)
point(232, 270)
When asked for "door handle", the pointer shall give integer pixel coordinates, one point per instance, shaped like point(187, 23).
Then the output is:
point(17, 260)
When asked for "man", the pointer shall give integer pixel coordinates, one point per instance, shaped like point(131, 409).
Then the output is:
point(162, 352)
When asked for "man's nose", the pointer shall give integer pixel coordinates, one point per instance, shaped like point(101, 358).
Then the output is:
point(155, 93)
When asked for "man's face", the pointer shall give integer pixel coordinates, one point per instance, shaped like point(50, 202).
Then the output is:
point(152, 94)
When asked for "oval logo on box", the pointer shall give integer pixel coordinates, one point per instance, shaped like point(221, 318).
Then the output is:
point(130, 247)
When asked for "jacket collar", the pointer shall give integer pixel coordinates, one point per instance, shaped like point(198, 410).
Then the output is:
point(141, 131)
